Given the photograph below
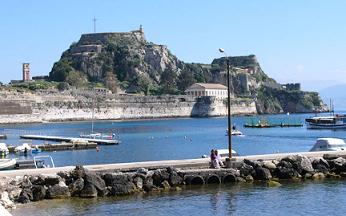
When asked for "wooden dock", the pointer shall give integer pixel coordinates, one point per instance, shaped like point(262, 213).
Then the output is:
point(70, 139)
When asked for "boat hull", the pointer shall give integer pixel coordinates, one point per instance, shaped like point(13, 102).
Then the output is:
point(6, 164)
point(324, 126)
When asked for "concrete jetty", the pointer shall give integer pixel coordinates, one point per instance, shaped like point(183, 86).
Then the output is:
point(186, 163)
point(70, 139)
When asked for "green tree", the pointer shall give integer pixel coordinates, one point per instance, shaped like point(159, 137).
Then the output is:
point(76, 78)
point(61, 70)
point(111, 81)
point(185, 80)
point(168, 82)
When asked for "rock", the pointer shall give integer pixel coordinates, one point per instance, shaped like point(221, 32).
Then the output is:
point(25, 182)
point(273, 184)
point(159, 176)
point(38, 180)
point(338, 165)
point(165, 185)
point(5, 201)
point(123, 189)
point(245, 169)
point(97, 181)
point(66, 176)
point(343, 174)
point(25, 196)
point(269, 165)
point(78, 172)
point(142, 171)
point(300, 163)
point(307, 176)
point(138, 181)
point(51, 180)
point(76, 187)
point(89, 191)
point(116, 178)
point(175, 179)
point(330, 156)
point(285, 173)
point(38, 192)
point(249, 178)
point(318, 176)
point(332, 175)
point(320, 164)
point(58, 191)
point(249, 162)
point(262, 174)
point(284, 164)
point(240, 179)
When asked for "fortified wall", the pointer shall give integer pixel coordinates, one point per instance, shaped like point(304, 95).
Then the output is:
point(25, 108)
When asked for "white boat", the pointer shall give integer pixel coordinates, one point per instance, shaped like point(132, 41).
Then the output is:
point(326, 122)
point(7, 164)
point(3, 149)
point(98, 136)
point(329, 144)
point(25, 148)
point(235, 133)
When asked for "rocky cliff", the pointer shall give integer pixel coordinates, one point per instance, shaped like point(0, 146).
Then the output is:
point(129, 62)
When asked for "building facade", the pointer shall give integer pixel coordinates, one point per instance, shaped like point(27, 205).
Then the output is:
point(26, 72)
point(207, 89)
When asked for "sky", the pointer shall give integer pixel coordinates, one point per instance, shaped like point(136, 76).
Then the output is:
point(294, 40)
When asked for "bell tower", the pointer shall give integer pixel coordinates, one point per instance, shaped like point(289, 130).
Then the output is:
point(26, 72)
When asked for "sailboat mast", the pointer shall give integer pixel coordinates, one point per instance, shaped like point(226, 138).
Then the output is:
point(92, 114)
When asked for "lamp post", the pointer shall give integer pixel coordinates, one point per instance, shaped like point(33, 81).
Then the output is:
point(228, 106)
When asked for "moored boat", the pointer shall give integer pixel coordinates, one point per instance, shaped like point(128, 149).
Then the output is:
point(3, 149)
point(329, 144)
point(7, 164)
point(326, 122)
point(25, 148)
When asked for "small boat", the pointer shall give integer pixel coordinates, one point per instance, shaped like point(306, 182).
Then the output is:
point(36, 150)
point(223, 153)
point(3, 149)
point(24, 149)
point(329, 144)
point(7, 164)
point(326, 122)
point(98, 136)
point(235, 133)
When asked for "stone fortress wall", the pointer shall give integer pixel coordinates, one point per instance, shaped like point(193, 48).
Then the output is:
point(43, 107)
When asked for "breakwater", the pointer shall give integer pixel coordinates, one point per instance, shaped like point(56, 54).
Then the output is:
point(104, 180)
point(53, 106)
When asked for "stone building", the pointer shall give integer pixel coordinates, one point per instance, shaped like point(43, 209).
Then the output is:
point(207, 89)
point(26, 72)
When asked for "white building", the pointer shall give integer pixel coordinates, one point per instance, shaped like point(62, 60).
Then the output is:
point(207, 89)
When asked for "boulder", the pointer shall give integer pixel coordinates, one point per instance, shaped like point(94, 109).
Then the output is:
point(26, 183)
point(300, 163)
point(159, 176)
point(116, 178)
point(58, 191)
point(37, 180)
point(245, 169)
point(261, 173)
point(285, 173)
point(165, 185)
point(123, 189)
point(5, 201)
point(318, 176)
point(25, 196)
point(138, 181)
point(320, 164)
point(249, 178)
point(97, 181)
point(78, 172)
point(89, 191)
point(175, 179)
point(273, 184)
point(51, 180)
point(38, 192)
point(269, 165)
point(338, 165)
point(76, 187)
point(142, 171)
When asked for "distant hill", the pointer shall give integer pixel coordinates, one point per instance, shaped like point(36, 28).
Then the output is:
point(337, 94)
point(128, 61)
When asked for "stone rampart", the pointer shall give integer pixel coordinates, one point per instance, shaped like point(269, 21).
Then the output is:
point(65, 107)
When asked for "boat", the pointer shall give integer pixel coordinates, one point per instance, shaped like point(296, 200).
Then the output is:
point(3, 149)
point(329, 144)
point(235, 133)
point(7, 164)
point(36, 150)
point(44, 161)
point(326, 122)
point(24, 149)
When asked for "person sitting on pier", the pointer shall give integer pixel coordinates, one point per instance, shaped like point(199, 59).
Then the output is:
point(214, 162)
point(218, 158)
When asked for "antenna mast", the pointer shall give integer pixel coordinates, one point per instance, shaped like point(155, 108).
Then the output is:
point(94, 20)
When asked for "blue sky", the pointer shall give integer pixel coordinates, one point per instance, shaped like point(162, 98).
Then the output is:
point(294, 41)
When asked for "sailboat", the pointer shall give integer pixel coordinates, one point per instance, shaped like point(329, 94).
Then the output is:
point(96, 135)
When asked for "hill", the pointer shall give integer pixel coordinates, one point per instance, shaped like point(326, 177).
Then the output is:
point(127, 61)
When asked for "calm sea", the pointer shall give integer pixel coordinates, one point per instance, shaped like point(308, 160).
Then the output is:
point(164, 139)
